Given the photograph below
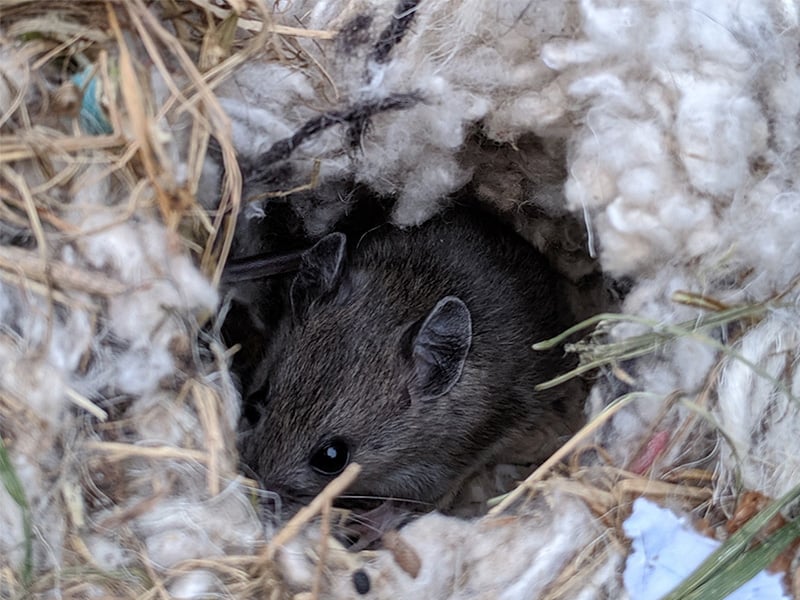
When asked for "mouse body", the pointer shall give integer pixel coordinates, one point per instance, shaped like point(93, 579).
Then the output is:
point(409, 352)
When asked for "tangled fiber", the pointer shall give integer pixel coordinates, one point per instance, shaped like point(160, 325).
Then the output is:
point(655, 144)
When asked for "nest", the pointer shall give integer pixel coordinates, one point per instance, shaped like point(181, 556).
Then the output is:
point(118, 466)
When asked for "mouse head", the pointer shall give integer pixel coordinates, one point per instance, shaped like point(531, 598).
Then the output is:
point(357, 373)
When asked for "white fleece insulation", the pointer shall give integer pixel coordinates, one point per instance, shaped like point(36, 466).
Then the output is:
point(676, 125)
point(506, 558)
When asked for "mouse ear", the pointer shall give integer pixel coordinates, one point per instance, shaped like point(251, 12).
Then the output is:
point(440, 349)
point(320, 270)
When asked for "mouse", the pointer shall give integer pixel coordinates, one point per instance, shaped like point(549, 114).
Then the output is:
point(409, 351)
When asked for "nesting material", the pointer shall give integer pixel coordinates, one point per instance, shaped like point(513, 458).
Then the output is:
point(506, 557)
point(666, 551)
point(118, 421)
point(657, 143)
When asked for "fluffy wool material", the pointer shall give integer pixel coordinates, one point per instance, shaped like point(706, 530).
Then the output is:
point(677, 126)
point(681, 124)
point(134, 341)
point(442, 557)
point(682, 133)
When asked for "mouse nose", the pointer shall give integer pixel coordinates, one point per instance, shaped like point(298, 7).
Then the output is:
point(281, 502)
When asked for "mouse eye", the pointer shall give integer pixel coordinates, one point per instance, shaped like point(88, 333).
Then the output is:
point(331, 458)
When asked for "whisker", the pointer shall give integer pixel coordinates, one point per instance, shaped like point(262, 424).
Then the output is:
point(407, 501)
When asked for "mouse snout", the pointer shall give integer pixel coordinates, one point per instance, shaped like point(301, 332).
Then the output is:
point(289, 495)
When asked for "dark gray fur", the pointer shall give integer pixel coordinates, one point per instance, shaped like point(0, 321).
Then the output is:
point(415, 346)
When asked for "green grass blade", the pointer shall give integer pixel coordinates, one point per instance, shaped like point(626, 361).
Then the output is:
point(734, 554)
point(596, 354)
point(747, 565)
point(15, 489)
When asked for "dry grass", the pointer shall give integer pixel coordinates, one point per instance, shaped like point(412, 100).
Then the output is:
point(47, 155)
point(609, 491)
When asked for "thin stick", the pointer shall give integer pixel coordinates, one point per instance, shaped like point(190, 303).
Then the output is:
point(15, 148)
point(567, 448)
point(17, 260)
point(254, 25)
point(86, 404)
point(331, 491)
point(120, 451)
point(324, 533)
point(30, 208)
point(214, 442)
